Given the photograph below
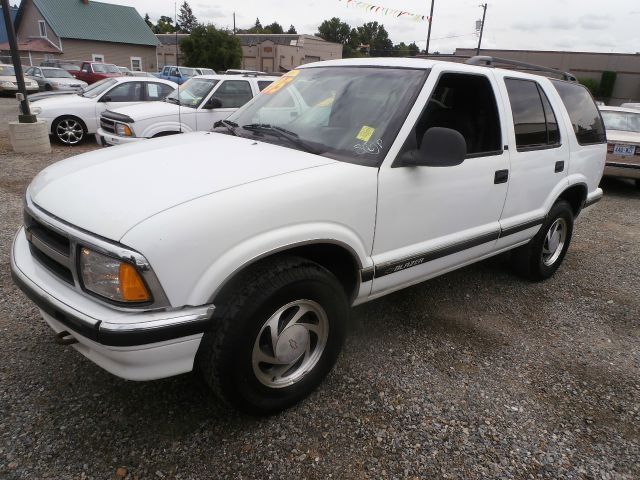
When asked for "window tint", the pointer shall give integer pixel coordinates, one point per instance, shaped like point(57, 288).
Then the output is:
point(465, 103)
point(234, 93)
point(553, 132)
point(586, 120)
point(157, 91)
point(528, 113)
point(262, 84)
point(125, 92)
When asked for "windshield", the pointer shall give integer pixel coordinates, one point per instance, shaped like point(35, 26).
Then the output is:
point(625, 121)
point(7, 70)
point(97, 88)
point(188, 72)
point(351, 114)
point(56, 73)
point(206, 71)
point(105, 68)
point(192, 92)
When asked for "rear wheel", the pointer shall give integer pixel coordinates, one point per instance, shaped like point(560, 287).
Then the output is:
point(543, 255)
point(69, 131)
point(276, 336)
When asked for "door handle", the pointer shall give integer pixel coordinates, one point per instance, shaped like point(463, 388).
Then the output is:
point(501, 176)
point(559, 167)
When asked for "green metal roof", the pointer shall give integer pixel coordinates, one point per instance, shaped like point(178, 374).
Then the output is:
point(102, 22)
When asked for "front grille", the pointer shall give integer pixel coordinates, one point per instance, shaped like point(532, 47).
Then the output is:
point(108, 125)
point(50, 248)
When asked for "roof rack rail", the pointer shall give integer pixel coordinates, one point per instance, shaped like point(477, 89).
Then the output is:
point(491, 61)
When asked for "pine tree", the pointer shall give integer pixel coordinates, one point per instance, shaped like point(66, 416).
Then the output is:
point(187, 21)
point(148, 21)
point(292, 29)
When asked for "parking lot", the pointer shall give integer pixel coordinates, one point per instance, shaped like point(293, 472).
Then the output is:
point(476, 374)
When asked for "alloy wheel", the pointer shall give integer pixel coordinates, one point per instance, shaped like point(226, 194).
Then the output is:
point(69, 131)
point(554, 241)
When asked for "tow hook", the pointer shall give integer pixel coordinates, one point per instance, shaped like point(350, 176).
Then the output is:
point(65, 338)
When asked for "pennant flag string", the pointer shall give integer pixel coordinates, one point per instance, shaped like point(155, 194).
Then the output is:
point(387, 11)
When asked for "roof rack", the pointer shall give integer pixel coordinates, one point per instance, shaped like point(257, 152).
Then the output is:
point(488, 61)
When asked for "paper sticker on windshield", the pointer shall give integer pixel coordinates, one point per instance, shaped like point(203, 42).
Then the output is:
point(281, 82)
point(365, 133)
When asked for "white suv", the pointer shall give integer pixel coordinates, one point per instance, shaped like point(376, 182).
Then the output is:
point(241, 250)
point(195, 106)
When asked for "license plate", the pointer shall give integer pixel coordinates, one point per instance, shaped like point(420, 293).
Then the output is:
point(624, 150)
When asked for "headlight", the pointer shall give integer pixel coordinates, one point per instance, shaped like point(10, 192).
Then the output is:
point(111, 278)
point(124, 130)
point(36, 110)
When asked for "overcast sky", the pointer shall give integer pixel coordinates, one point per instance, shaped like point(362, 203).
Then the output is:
point(577, 25)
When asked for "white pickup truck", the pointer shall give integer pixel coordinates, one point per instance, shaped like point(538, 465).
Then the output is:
point(241, 250)
point(194, 106)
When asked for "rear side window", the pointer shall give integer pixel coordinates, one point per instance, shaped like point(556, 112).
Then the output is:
point(262, 84)
point(584, 115)
point(234, 93)
point(534, 121)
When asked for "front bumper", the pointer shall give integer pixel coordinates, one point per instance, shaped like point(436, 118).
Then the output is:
point(130, 344)
point(105, 139)
point(14, 89)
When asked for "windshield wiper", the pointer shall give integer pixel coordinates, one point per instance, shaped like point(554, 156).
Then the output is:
point(228, 124)
point(280, 132)
point(172, 100)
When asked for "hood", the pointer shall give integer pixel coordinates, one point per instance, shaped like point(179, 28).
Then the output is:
point(34, 97)
point(109, 191)
point(147, 110)
point(67, 81)
point(60, 100)
point(620, 136)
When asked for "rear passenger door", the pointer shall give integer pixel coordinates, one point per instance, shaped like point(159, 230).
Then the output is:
point(539, 156)
point(432, 219)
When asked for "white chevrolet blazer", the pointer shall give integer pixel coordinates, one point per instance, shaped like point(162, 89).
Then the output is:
point(239, 251)
point(194, 106)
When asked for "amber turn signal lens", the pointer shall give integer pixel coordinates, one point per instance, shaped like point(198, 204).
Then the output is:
point(132, 287)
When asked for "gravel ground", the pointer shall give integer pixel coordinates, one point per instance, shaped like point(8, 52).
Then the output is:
point(476, 374)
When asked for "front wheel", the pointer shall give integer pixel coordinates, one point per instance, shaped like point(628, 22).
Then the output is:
point(542, 256)
point(276, 336)
point(69, 131)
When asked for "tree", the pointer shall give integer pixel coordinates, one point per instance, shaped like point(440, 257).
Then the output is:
point(187, 21)
point(275, 27)
point(337, 31)
point(292, 29)
point(165, 25)
point(403, 50)
point(376, 37)
point(257, 28)
point(148, 21)
point(208, 46)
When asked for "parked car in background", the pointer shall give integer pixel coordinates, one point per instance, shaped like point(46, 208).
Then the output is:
point(634, 105)
point(9, 82)
point(141, 74)
point(196, 105)
point(70, 67)
point(235, 71)
point(91, 72)
point(623, 142)
point(125, 70)
point(52, 78)
point(70, 118)
point(238, 254)
point(177, 74)
point(205, 71)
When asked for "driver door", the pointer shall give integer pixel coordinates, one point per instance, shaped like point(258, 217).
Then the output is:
point(232, 95)
point(433, 219)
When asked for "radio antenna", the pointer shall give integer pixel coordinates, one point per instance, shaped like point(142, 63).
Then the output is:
point(175, 12)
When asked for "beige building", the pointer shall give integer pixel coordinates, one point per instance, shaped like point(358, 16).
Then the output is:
point(582, 65)
point(268, 52)
point(284, 52)
point(84, 30)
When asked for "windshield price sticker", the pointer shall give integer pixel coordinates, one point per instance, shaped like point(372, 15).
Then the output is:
point(281, 82)
point(365, 133)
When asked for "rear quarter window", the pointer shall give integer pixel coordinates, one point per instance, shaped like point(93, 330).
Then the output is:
point(584, 115)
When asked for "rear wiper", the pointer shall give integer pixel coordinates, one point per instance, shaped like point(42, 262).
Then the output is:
point(228, 124)
point(282, 133)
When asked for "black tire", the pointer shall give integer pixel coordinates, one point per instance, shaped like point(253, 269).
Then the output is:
point(529, 260)
point(71, 139)
point(225, 357)
point(638, 183)
point(48, 87)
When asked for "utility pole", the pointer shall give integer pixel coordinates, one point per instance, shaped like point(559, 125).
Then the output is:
point(26, 116)
point(484, 13)
point(234, 23)
point(429, 32)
